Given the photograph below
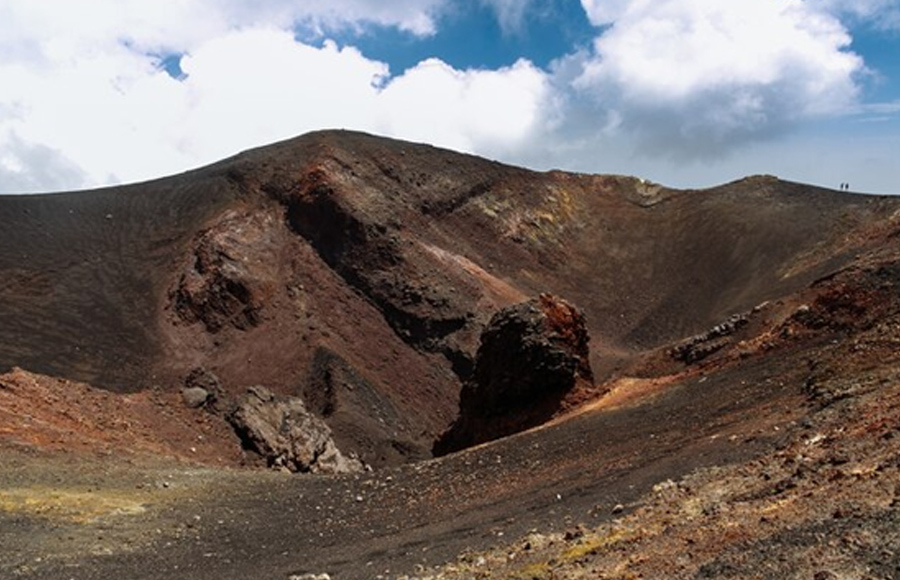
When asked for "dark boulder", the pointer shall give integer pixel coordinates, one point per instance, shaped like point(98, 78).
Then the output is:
point(202, 388)
point(533, 356)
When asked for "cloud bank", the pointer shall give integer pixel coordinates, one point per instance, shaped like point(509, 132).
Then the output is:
point(87, 99)
point(695, 78)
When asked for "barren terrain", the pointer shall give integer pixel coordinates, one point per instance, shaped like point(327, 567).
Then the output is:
point(743, 421)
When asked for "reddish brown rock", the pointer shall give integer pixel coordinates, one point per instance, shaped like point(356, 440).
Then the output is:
point(230, 274)
point(533, 355)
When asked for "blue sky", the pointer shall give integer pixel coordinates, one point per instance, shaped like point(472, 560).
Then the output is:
point(475, 38)
point(689, 93)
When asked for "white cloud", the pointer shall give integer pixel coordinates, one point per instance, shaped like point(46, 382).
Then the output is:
point(26, 167)
point(84, 100)
point(258, 86)
point(181, 25)
point(474, 111)
point(602, 12)
point(106, 108)
point(696, 78)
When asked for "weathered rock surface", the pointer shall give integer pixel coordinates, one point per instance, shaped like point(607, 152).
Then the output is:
point(202, 388)
point(287, 435)
point(532, 356)
point(228, 278)
point(700, 346)
point(360, 418)
point(194, 397)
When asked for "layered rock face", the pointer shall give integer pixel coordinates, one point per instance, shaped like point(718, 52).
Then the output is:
point(533, 357)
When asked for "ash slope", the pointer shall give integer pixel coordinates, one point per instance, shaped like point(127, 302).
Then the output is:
point(357, 272)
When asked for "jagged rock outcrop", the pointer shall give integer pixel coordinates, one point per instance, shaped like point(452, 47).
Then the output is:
point(287, 435)
point(430, 308)
point(230, 274)
point(700, 346)
point(533, 355)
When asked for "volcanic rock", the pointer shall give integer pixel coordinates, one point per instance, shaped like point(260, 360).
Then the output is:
point(287, 435)
point(532, 356)
point(228, 276)
point(194, 397)
point(202, 388)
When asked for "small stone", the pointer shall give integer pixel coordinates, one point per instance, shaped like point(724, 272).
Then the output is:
point(618, 508)
point(194, 397)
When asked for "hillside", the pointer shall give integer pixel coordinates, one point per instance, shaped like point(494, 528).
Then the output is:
point(357, 274)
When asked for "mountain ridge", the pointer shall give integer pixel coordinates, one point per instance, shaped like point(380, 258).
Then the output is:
point(742, 336)
point(177, 273)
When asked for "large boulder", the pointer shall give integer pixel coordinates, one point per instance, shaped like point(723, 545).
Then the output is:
point(287, 435)
point(533, 357)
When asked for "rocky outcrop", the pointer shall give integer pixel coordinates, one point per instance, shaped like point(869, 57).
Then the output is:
point(287, 435)
point(698, 347)
point(532, 357)
point(230, 274)
point(367, 244)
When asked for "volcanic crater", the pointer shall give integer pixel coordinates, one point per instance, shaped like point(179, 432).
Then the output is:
point(246, 371)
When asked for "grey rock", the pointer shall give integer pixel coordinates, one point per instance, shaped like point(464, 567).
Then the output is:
point(284, 432)
point(194, 397)
point(216, 399)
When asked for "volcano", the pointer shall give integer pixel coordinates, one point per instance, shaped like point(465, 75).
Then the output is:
point(352, 279)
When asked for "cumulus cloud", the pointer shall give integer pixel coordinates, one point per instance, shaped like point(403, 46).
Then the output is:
point(475, 111)
point(180, 25)
point(86, 99)
point(602, 12)
point(107, 106)
point(696, 78)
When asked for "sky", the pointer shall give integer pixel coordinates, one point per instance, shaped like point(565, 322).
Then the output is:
point(688, 93)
